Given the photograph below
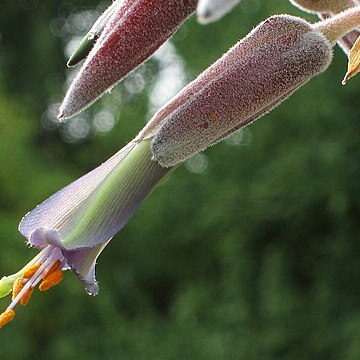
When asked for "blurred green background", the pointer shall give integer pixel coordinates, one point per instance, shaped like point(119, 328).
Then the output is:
point(249, 251)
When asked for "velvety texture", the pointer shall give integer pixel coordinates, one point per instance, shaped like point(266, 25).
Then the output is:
point(135, 31)
point(257, 74)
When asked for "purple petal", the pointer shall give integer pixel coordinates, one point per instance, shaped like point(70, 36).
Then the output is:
point(58, 208)
point(82, 262)
point(110, 206)
point(42, 237)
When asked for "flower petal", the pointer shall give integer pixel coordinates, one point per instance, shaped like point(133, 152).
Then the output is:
point(354, 61)
point(58, 208)
point(82, 262)
point(110, 206)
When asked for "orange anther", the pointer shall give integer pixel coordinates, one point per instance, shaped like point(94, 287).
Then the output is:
point(17, 287)
point(53, 268)
point(6, 317)
point(25, 298)
point(30, 271)
point(52, 279)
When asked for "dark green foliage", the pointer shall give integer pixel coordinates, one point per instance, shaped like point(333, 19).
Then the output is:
point(255, 258)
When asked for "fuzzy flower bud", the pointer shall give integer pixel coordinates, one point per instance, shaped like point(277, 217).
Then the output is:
point(136, 30)
point(257, 74)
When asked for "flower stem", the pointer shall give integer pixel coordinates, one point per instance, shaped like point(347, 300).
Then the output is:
point(337, 26)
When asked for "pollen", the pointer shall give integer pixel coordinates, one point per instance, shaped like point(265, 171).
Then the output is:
point(6, 317)
point(17, 287)
point(45, 270)
point(51, 280)
point(26, 297)
point(52, 269)
point(30, 271)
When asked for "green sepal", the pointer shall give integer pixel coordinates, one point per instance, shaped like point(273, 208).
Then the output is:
point(6, 284)
point(85, 46)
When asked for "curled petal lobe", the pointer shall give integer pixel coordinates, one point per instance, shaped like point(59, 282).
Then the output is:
point(354, 62)
point(83, 262)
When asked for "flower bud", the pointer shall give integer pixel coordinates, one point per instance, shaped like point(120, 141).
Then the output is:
point(135, 31)
point(257, 74)
point(211, 10)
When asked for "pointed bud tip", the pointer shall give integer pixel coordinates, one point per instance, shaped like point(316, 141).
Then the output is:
point(72, 61)
point(205, 17)
point(61, 117)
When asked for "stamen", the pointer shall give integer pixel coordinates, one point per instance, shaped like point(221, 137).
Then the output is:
point(51, 280)
point(51, 255)
point(26, 297)
point(30, 271)
point(17, 287)
point(52, 269)
point(6, 317)
point(45, 269)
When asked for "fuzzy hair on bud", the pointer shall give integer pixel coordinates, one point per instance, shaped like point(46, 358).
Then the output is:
point(136, 30)
point(257, 74)
point(211, 10)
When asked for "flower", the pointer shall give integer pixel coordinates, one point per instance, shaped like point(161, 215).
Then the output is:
point(135, 30)
point(73, 226)
point(211, 10)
